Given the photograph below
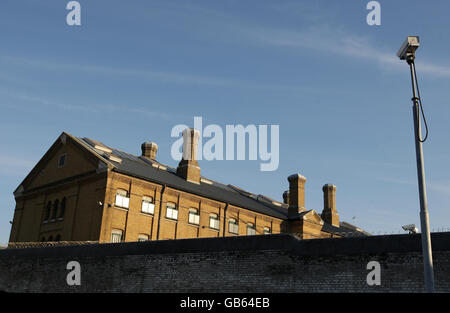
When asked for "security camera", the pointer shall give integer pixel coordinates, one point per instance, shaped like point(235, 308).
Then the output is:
point(408, 47)
point(411, 228)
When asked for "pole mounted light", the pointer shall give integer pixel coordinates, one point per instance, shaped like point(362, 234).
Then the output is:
point(408, 52)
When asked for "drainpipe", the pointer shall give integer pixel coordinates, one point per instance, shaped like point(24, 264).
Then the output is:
point(160, 210)
point(225, 219)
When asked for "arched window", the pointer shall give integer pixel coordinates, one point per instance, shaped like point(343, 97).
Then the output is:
point(116, 235)
point(147, 205)
point(62, 160)
point(233, 226)
point(171, 211)
point(214, 221)
point(62, 208)
point(194, 217)
point(43, 239)
point(251, 230)
point(143, 237)
point(50, 238)
point(122, 198)
point(55, 209)
point(58, 237)
point(48, 210)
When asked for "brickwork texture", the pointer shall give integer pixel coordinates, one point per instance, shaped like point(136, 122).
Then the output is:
point(267, 263)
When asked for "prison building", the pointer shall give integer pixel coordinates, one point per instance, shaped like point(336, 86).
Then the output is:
point(83, 190)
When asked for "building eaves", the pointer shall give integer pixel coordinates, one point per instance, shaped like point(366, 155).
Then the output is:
point(212, 191)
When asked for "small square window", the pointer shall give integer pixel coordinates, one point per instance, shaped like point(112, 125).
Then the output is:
point(62, 160)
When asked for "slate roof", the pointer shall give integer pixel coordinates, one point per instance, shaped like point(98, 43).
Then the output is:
point(156, 172)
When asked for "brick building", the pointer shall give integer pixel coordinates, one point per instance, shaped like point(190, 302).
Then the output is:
point(83, 190)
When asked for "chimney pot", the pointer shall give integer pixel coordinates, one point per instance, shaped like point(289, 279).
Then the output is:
point(190, 144)
point(296, 194)
point(188, 167)
point(149, 150)
point(329, 213)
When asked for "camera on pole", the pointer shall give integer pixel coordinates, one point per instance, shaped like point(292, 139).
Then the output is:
point(408, 52)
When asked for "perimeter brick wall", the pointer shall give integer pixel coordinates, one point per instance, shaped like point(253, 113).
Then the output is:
point(270, 263)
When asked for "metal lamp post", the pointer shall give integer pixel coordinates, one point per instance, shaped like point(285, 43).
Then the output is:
point(407, 52)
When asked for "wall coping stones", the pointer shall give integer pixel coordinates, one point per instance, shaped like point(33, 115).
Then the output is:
point(287, 242)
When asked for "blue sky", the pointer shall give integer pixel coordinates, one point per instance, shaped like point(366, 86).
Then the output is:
point(333, 84)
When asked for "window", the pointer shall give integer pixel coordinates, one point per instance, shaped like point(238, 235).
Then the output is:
point(267, 230)
point(251, 229)
point(58, 237)
point(50, 238)
point(122, 199)
point(171, 211)
point(143, 237)
point(62, 208)
point(43, 239)
point(55, 209)
point(62, 160)
point(147, 205)
point(48, 211)
point(116, 235)
point(194, 217)
point(214, 221)
point(233, 226)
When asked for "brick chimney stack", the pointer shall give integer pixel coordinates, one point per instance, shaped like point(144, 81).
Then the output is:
point(329, 213)
point(188, 167)
point(149, 150)
point(296, 194)
point(286, 197)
